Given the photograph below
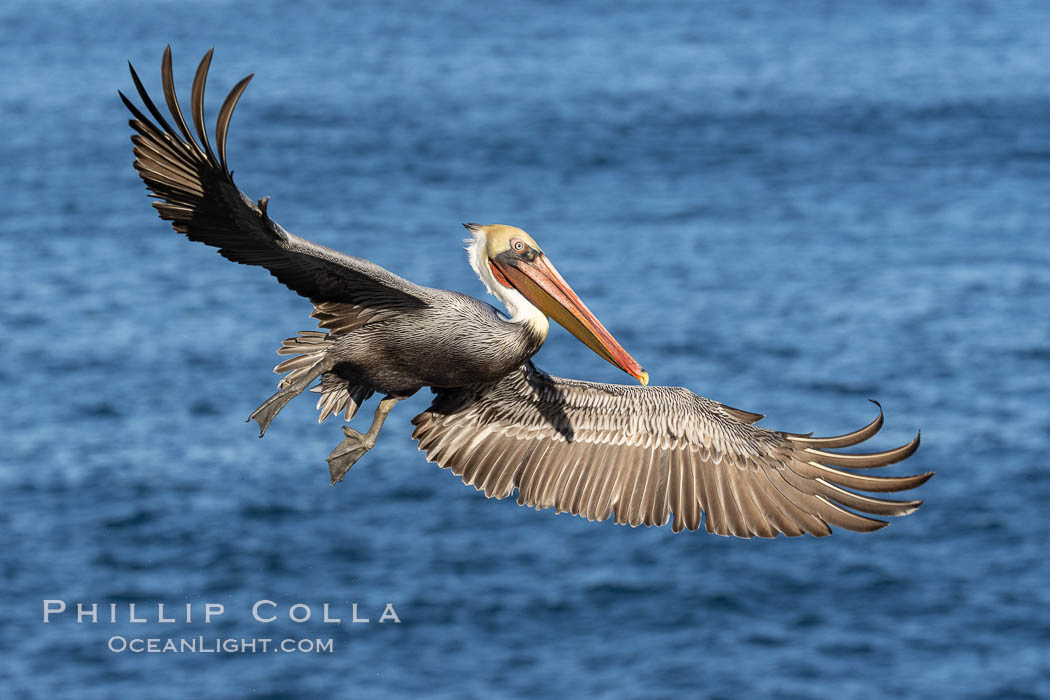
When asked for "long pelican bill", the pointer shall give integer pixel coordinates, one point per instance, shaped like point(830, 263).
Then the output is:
point(541, 283)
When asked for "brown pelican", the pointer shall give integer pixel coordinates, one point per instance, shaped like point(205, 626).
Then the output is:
point(640, 454)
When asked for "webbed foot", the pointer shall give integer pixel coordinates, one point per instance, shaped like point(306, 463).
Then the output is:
point(288, 390)
point(348, 452)
point(271, 407)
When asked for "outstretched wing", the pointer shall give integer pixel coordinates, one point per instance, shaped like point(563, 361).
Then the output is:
point(196, 193)
point(641, 454)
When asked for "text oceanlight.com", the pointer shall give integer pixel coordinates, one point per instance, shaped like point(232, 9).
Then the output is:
point(217, 645)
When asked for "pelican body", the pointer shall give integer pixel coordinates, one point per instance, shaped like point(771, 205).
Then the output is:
point(639, 454)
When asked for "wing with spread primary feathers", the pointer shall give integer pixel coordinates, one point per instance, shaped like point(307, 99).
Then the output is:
point(643, 454)
point(196, 193)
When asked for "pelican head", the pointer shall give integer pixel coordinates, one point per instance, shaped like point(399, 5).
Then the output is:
point(515, 270)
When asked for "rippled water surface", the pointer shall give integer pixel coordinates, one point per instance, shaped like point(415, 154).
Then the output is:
point(787, 208)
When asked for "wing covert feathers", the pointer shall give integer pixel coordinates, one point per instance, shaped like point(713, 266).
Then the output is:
point(195, 191)
point(649, 455)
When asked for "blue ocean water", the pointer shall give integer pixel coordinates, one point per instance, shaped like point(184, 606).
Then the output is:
point(786, 207)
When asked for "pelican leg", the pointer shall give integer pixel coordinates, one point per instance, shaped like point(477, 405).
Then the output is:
point(273, 405)
point(355, 445)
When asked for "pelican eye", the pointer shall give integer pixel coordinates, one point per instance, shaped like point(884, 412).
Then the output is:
point(518, 245)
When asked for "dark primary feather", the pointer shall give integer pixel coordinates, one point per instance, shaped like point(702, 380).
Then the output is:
point(644, 454)
point(196, 193)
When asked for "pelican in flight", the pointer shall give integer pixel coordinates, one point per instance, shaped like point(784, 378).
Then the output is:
point(643, 455)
